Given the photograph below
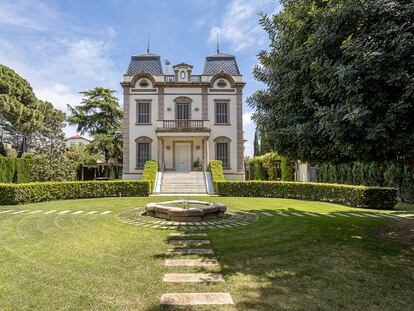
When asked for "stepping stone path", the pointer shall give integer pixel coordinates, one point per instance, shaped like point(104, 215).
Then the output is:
point(55, 212)
point(233, 219)
point(191, 299)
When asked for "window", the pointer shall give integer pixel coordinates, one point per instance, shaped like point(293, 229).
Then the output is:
point(222, 115)
point(143, 83)
point(143, 150)
point(221, 83)
point(222, 153)
point(143, 154)
point(143, 113)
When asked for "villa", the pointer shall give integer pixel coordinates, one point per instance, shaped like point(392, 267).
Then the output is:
point(183, 120)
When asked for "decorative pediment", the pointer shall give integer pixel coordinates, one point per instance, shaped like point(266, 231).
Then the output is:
point(222, 139)
point(143, 139)
point(183, 100)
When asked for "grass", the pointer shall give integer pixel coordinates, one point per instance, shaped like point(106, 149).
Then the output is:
point(52, 262)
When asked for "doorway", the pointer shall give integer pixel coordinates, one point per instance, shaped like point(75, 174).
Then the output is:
point(183, 157)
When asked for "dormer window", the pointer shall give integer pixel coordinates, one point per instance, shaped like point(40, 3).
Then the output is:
point(221, 83)
point(143, 83)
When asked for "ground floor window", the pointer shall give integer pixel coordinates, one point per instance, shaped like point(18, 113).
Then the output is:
point(222, 153)
point(143, 150)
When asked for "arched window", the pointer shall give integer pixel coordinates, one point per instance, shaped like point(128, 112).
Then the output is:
point(222, 150)
point(143, 150)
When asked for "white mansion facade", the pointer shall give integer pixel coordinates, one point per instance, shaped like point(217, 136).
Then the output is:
point(180, 119)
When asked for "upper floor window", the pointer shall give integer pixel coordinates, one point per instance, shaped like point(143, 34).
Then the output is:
point(144, 112)
point(222, 112)
point(221, 83)
point(143, 83)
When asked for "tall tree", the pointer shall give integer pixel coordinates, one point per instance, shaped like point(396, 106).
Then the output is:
point(22, 114)
point(256, 143)
point(100, 115)
point(340, 80)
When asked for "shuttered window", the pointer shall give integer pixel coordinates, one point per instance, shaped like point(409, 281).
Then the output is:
point(143, 154)
point(222, 153)
point(144, 113)
point(222, 113)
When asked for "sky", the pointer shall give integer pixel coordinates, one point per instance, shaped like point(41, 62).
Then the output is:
point(64, 47)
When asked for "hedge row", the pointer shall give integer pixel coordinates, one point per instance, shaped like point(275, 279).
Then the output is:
point(150, 173)
point(14, 170)
point(216, 170)
point(390, 174)
point(11, 194)
point(269, 166)
point(356, 196)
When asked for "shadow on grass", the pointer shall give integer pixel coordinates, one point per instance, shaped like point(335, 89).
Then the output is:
point(310, 263)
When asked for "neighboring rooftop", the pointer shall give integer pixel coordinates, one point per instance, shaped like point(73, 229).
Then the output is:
point(147, 62)
point(216, 63)
point(77, 137)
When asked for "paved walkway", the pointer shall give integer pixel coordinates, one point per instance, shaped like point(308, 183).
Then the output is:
point(188, 298)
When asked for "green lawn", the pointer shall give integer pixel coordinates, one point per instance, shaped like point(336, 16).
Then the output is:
point(68, 262)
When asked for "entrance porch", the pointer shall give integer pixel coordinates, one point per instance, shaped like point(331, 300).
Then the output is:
point(183, 154)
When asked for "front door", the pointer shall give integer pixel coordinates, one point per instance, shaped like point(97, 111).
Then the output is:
point(183, 157)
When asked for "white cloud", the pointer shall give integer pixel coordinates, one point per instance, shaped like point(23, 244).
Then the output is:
point(248, 129)
point(239, 24)
point(26, 14)
point(56, 68)
point(247, 118)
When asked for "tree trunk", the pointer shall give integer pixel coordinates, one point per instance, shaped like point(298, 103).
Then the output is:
point(22, 148)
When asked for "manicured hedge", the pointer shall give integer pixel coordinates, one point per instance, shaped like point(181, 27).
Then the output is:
point(47, 191)
point(357, 196)
point(150, 172)
point(216, 170)
point(14, 170)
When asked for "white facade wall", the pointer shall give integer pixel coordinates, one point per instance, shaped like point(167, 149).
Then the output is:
point(162, 146)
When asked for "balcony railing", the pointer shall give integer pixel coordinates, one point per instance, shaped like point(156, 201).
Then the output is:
point(183, 124)
point(193, 78)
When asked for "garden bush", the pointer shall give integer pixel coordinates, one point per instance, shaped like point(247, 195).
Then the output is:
point(14, 170)
point(356, 196)
point(47, 191)
point(150, 173)
point(390, 174)
point(216, 170)
point(269, 166)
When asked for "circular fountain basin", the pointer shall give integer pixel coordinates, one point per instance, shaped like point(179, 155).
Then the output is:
point(193, 210)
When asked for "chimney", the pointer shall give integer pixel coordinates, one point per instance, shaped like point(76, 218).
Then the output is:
point(167, 67)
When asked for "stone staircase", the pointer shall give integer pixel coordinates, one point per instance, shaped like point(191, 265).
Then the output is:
point(183, 183)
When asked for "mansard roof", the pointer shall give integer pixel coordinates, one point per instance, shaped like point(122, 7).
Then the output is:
point(216, 63)
point(145, 63)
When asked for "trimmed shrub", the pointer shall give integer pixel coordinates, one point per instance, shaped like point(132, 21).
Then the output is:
point(287, 169)
point(13, 170)
point(47, 191)
point(216, 170)
point(357, 196)
point(150, 173)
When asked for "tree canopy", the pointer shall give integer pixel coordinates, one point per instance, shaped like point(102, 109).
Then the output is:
point(22, 114)
point(99, 114)
point(340, 80)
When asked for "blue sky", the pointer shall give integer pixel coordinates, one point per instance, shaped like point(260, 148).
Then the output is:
point(64, 47)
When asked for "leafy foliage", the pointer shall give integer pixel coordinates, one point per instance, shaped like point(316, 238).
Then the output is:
point(13, 170)
point(357, 196)
point(270, 166)
point(340, 80)
point(53, 165)
point(216, 170)
point(150, 173)
point(25, 116)
point(100, 115)
point(48, 191)
point(394, 174)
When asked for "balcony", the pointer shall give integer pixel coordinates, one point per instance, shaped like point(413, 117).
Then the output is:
point(193, 78)
point(183, 126)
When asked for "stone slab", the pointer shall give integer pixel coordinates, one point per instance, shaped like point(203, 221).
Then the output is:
point(7, 211)
point(35, 212)
point(282, 214)
point(357, 215)
point(311, 214)
point(267, 214)
point(91, 212)
point(196, 299)
point(197, 242)
point(19, 212)
point(190, 251)
point(63, 212)
point(191, 262)
point(105, 213)
point(343, 215)
point(77, 213)
point(49, 212)
point(192, 277)
point(297, 214)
